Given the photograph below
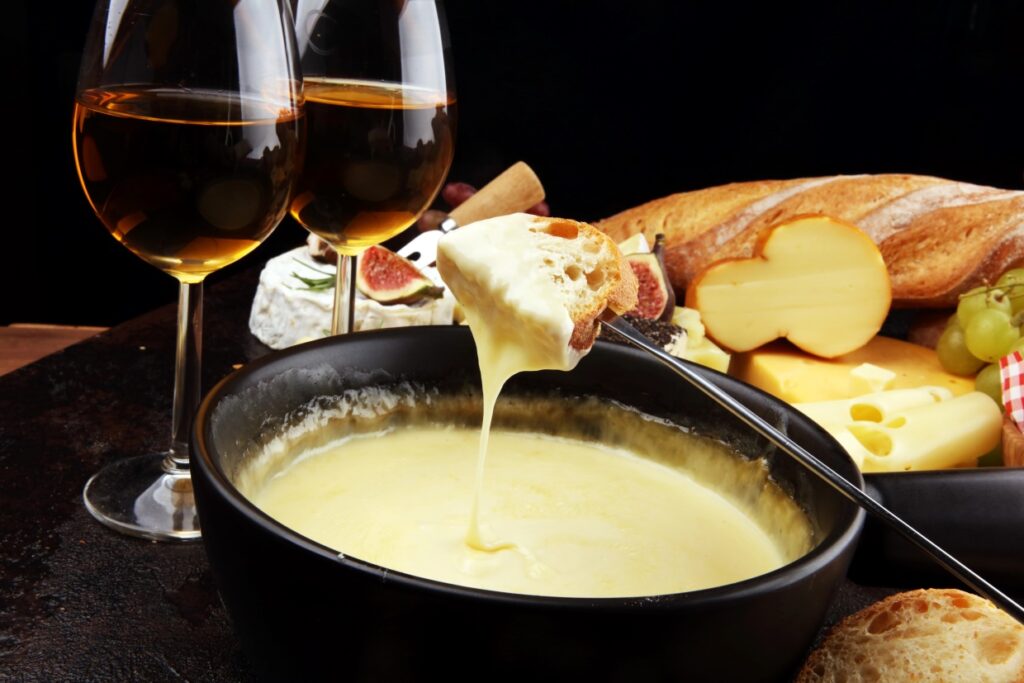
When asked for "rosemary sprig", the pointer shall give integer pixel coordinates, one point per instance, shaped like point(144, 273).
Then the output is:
point(314, 284)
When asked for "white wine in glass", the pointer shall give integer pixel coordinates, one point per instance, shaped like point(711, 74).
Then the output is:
point(380, 106)
point(188, 134)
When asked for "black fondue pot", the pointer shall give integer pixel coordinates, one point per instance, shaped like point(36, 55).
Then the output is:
point(304, 613)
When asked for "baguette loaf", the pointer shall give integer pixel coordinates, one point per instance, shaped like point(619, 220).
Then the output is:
point(939, 237)
point(940, 635)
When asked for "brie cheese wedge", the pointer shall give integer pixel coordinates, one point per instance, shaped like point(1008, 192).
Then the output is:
point(286, 312)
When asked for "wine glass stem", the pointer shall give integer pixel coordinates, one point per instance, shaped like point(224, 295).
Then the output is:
point(343, 319)
point(187, 367)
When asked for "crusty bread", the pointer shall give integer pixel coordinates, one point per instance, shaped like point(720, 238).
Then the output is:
point(939, 237)
point(687, 215)
point(934, 635)
point(945, 252)
point(603, 278)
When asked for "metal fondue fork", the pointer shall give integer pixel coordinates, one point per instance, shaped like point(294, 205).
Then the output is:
point(823, 471)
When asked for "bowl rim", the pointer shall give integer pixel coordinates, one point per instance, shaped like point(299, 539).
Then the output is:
point(827, 551)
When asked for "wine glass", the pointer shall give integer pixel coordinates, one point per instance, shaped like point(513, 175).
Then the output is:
point(380, 106)
point(188, 136)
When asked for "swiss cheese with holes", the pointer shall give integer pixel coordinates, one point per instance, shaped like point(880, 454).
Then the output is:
point(911, 429)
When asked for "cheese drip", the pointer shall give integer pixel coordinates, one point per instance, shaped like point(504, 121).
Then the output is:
point(516, 314)
point(598, 521)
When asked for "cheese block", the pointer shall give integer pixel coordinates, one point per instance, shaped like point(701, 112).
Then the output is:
point(911, 429)
point(876, 378)
point(877, 407)
point(794, 376)
point(286, 312)
point(697, 347)
point(704, 352)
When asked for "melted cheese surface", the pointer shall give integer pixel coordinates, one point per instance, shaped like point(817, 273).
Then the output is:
point(586, 520)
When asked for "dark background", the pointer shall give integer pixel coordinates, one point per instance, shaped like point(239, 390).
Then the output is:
point(613, 103)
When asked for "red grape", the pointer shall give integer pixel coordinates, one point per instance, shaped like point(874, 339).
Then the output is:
point(456, 193)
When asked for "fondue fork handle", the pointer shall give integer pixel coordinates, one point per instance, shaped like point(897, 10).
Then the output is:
point(823, 471)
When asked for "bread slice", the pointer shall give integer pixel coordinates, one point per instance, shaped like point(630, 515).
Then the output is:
point(590, 273)
point(542, 282)
point(934, 635)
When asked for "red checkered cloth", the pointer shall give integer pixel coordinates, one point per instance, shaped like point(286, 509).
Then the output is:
point(1011, 372)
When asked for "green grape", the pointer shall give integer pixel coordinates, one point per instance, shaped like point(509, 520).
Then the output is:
point(988, 383)
point(990, 335)
point(953, 353)
point(1012, 282)
point(1019, 346)
point(981, 299)
point(971, 302)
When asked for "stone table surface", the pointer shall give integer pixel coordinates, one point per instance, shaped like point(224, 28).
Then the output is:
point(79, 602)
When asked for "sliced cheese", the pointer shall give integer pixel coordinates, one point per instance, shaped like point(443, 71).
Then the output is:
point(815, 280)
point(795, 376)
point(911, 429)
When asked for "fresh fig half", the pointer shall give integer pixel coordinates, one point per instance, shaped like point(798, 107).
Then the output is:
point(386, 277)
point(656, 299)
point(659, 251)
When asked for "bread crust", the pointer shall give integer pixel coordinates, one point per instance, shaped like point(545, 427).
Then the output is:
point(902, 211)
point(688, 214)
point(685, 216)
point(1013, 444)
point(617, 293)
point(921, 635)
point(714, 244)
point(948, 251)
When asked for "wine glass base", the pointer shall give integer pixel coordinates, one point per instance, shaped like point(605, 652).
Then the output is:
point(142, 496)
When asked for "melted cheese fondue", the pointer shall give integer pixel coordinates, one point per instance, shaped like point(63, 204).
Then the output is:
point(586, 520)
point(563, 517)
